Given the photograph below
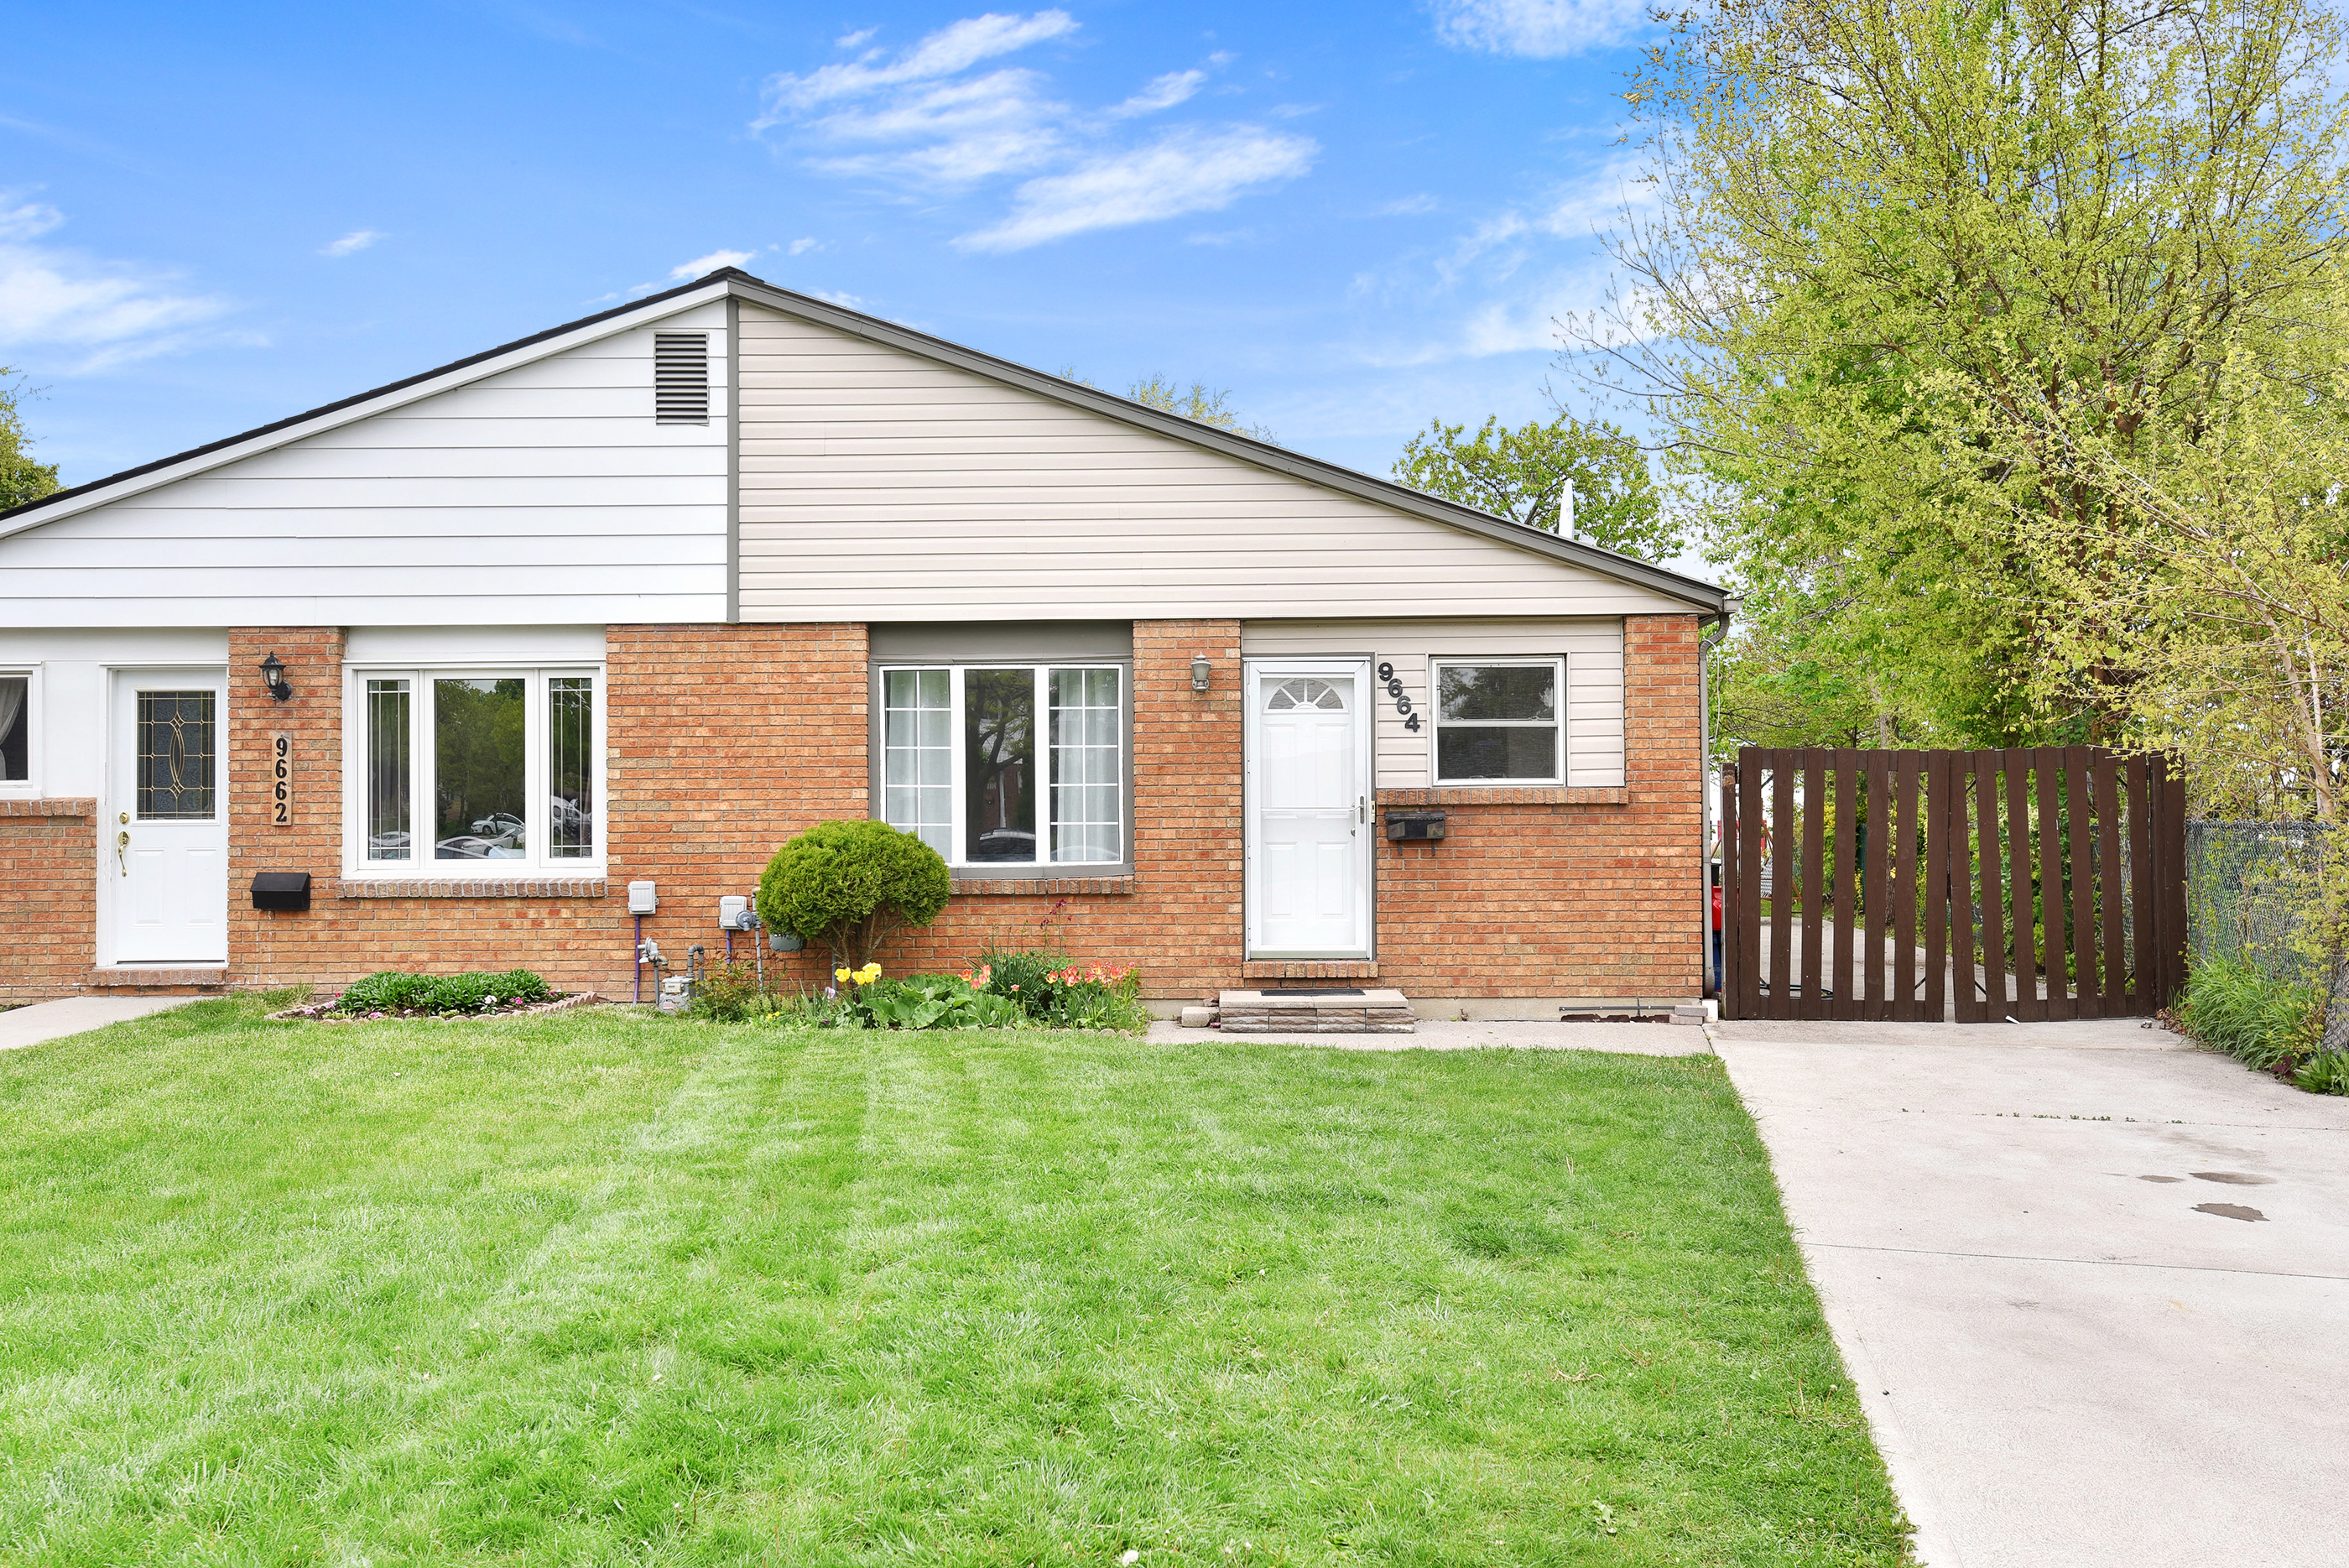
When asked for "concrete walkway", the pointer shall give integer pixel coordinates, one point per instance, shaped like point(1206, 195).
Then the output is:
point(45, 1021)
point(2092, 1283)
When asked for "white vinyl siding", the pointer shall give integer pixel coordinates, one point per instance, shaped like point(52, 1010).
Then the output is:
point(545, 493)
point(1404, 758)
point(877, 486)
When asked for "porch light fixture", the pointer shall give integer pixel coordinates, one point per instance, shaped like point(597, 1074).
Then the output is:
point(273, 670)
point(1199, 673)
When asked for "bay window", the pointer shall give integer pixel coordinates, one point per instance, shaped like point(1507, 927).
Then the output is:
point(473, 772)
point(1004, 767)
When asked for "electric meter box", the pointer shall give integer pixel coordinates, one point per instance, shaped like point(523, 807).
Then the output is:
point(734, 913)
point(642, 899)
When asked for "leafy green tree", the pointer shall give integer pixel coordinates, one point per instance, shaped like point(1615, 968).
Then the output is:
point(1209, 405)
point(21, 479)
point(1521, 474)
point(851, 885)
point(1903, 255)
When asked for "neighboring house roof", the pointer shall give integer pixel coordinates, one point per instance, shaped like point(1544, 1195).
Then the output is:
point(733, 282)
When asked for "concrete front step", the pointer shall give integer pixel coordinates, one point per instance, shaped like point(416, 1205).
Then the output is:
point(1332, 1010)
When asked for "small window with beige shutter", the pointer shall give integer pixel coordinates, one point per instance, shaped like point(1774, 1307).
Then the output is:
point(681, 378)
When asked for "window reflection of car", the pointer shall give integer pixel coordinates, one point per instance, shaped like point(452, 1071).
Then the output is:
point(467, 846)
point(500, 827)
point(387, 846)
point(568, 817)
point(1005, 844)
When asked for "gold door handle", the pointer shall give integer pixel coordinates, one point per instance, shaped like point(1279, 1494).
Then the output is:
point(122, 842)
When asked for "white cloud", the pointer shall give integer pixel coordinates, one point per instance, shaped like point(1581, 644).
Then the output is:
point(356, 240)
point(685, 271)
point(1405, 206)
point(947, 52)
point(850, 40)
point(1537, 29)
point(800, 247)
point(949, 114)
point(109, 312)
point(1165, 92)
point(1184, 172)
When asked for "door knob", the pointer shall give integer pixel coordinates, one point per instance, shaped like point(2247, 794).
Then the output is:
point(122, 842)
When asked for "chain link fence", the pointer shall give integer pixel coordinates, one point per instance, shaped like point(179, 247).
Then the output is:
point(2248, 887)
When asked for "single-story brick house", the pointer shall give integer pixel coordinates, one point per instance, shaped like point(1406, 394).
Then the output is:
point(640, 596)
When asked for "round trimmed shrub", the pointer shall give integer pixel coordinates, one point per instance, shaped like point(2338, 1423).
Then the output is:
point(851, 885)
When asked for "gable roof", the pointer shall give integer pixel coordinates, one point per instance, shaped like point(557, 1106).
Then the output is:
point(735, 283)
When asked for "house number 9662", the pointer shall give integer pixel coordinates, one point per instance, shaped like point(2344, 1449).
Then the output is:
point(1401, 702)
point(281, 782)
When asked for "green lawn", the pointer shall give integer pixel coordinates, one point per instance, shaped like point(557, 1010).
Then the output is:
point(613, 1289)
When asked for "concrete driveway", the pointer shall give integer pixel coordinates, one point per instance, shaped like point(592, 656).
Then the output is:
point(2093, 1282)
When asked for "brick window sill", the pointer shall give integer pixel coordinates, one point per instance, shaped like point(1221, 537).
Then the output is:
point(428, 887)
point(1042, 886)
point(1509, 794)
point(71, 806)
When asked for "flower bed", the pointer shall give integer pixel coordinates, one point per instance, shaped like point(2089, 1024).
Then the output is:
point(1030, 988)
point(391, 995)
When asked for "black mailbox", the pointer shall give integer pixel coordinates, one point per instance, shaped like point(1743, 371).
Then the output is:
point(1415, 827)
point(281, 890)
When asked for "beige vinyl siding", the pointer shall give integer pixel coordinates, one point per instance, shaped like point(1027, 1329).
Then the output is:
point(543, 492)
point(1591, 647)
point(877, 486)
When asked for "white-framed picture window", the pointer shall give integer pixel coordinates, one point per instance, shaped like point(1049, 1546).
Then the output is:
point(1499, 721)
point(16, 720)
point(1007, 765)
point(473, 771)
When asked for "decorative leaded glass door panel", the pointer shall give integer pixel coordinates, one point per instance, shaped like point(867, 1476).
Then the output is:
point(165, 860)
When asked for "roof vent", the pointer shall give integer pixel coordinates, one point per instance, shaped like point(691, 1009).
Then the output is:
point(681, 378)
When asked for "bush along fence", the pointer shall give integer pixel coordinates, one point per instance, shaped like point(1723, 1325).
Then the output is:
point(2266, 987)
point(1973, 885)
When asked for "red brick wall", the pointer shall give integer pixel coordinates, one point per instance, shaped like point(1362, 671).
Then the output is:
point(1567, 900)
point(49, 873)
point(1182, 924)
point(724, 741)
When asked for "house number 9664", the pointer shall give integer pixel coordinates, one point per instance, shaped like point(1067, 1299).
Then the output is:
point(281, 782)
point(1401, 702)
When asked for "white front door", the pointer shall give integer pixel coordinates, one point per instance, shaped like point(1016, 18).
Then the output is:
point(1309, 826)
point(166, 828)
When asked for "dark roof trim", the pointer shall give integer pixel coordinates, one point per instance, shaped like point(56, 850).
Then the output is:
point(1313, 470)
point(288, 423)
point(741, 284)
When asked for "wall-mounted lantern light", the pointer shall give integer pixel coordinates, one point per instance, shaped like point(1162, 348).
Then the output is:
point(1199, 668)
point(273, 670)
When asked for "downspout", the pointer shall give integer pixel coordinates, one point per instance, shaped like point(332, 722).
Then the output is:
point(1712, 631)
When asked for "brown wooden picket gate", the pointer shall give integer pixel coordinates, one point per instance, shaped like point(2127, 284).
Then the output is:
point(2023, 884)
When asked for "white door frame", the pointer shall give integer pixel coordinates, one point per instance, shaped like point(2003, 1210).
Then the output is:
point(1349, 670)
point(120, 798)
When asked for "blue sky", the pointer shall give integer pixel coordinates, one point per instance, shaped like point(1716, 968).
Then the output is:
point(1355, 217)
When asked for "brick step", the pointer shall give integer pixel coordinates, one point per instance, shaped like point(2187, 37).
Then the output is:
point(1331, 1011)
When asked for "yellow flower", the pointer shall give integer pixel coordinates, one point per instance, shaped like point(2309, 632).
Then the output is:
point(868, 974)
point(840, 975)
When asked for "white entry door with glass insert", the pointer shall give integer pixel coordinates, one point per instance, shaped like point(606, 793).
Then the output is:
point(166, 829)
point(1308, 811)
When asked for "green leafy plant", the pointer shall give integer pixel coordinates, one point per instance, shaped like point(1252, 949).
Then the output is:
point(915, 1002)
point(2232, 1005)
point(393, 992)
point(734, 994)
point(1019, 974)
point(851, 886)
point(1052, 990)
point(2326, 1073)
